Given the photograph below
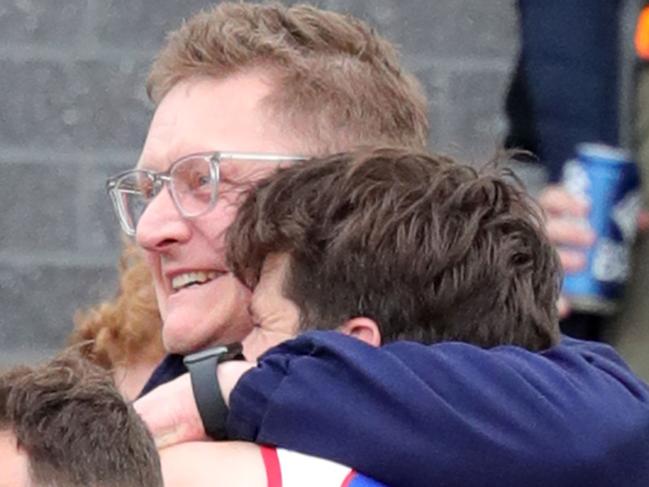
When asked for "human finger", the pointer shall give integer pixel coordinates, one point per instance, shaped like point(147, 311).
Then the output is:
point(643, 220)
point(564, 306)
point(556, 200)
point(563, 231)
point(572, 260)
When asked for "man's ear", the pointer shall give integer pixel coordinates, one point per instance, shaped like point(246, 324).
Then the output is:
point(364, 329)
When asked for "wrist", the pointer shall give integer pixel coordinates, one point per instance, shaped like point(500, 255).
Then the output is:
point(210, 402)
point(228, 375)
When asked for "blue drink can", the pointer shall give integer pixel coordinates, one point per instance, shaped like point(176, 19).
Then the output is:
point(608, 179)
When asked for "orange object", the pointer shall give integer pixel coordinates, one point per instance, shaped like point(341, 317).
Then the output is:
point(642, 35)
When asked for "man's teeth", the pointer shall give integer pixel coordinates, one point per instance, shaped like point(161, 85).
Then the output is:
point(189, 278)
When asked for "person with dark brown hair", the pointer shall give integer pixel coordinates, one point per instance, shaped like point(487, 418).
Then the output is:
point(431, 250)
point(396, 249)
point(381, 245)
point(64, 424)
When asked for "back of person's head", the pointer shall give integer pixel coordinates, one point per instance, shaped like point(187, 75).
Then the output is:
point(75, 428)
point(429, 249)
point(335, 82)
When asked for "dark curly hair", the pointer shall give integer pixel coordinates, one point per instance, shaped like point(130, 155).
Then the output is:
point(432, 250)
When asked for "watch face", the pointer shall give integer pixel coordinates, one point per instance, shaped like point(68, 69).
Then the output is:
point(221, 352)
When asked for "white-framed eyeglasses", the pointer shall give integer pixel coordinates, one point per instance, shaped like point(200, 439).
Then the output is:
point(192, 182)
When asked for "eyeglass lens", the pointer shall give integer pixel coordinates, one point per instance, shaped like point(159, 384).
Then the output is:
point(192, 186)
point(134, 191)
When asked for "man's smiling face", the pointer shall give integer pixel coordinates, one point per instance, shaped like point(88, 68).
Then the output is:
point(200, 302)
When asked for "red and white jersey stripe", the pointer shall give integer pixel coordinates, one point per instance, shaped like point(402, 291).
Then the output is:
point(285, 468)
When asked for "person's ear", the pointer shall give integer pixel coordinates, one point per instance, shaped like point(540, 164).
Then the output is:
point(364, 329)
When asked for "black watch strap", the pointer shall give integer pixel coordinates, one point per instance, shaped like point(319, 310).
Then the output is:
point(207, 391)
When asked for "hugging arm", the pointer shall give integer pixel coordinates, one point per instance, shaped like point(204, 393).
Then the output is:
point(411, 414)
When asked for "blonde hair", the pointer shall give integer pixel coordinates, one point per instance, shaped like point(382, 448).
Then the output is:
point(127, 329)
point(337, 83)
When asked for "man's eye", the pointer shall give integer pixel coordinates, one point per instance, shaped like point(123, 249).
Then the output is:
point(198, 181)
point(146, 189)
point(141, 187)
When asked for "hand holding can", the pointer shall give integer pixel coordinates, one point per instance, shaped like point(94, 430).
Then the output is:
point(607, 179)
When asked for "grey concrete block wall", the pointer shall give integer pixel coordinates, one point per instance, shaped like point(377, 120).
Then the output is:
point(73, 110)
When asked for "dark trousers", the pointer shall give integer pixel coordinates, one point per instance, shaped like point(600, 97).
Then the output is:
point(565, 88)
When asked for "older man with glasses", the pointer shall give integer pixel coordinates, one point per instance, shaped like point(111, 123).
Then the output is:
point(240, 90)
point(242, 80)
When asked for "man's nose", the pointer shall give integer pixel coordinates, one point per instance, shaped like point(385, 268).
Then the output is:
point(161, 225)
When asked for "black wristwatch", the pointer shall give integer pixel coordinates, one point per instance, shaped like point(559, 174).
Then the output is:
point(207, 391)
